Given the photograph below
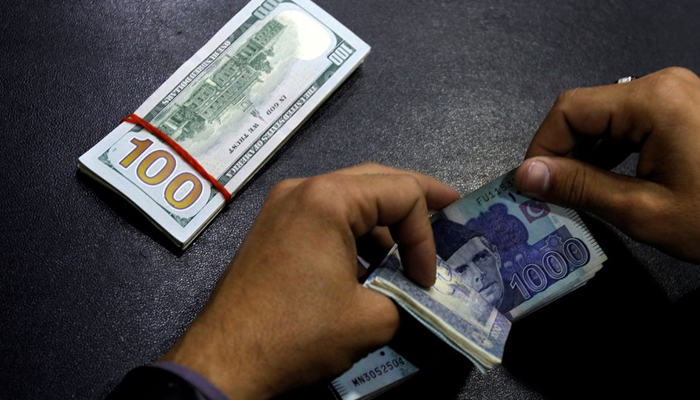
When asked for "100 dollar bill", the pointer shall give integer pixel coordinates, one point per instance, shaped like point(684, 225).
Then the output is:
point(231, 106)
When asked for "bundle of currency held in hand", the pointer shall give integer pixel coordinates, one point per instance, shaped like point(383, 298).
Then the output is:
point(500, 256)
point(230, 106)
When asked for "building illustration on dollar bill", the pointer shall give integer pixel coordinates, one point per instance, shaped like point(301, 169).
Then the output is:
point(227, 88)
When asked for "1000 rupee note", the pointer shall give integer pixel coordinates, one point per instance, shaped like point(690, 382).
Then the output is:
point(457, 314)
point(517, 252)
point(231, 106)
point(500, 255)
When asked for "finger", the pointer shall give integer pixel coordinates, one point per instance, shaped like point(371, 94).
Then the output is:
point(623, 113)
point(622, 200)
point(376, 316)
point(611, 111)
point(282, 188)
point(438, 194)
point(370, 168)
point(400, 202)
point(685, 74)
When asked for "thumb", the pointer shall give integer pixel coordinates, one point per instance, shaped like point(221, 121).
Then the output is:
point(376, 318)
point(622, 200)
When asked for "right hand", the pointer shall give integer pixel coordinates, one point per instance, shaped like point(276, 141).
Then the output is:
point(590, 130)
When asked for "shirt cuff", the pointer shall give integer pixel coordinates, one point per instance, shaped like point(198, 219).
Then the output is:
point(197, 381)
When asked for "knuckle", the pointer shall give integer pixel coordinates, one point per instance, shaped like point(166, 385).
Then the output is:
point(413, 188)
point(371, 165)
point(650, 204)
point(679, 72)
point(280, 189)
point(319, 194)
point(564, 98)
point(646, 215)
point(410, 182)
point(669, 88)
point(575, 190)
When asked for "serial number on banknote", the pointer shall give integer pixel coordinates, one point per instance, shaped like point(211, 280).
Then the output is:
point(378, 371)
point(493, 193)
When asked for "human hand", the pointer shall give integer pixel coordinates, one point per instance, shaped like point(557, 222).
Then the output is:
point(289, 310)
point(590, 130)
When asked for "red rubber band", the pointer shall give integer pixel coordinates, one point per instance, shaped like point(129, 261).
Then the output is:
point(136, 120)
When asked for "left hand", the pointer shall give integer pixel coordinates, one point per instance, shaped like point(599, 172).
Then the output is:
point(289, 310)
point(590, 130)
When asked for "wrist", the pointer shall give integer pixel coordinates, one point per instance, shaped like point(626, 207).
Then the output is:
point(192, 379)
point(221, 359)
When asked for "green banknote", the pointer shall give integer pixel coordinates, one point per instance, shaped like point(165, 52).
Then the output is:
point(230, 106)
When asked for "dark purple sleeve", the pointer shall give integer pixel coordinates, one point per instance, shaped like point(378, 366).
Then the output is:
point(197, 381)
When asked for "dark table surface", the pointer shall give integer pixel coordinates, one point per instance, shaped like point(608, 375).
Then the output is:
point(455, 89)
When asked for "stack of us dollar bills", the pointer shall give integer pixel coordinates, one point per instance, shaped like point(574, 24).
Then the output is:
point(500, 256)
point(230, 106)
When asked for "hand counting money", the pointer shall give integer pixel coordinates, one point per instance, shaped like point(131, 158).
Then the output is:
point(501, 256)
point(228, 108)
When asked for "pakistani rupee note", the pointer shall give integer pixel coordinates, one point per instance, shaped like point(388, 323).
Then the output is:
point(456, 313)
point(514, 253)
point(373, 375)
point(519, 253)
point(230, 106)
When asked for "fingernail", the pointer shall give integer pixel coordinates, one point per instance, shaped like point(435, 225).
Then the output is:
point(537, 178)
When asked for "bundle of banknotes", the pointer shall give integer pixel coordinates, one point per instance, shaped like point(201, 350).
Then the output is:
point(230, 106)
point(500, 256)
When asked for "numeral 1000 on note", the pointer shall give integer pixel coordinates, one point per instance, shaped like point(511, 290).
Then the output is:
point(156, 168)
point(555, 265)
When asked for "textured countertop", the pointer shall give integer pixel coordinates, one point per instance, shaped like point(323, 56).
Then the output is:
point(454, 89)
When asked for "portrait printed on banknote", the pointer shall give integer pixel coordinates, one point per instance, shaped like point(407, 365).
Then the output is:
point(493, 252)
